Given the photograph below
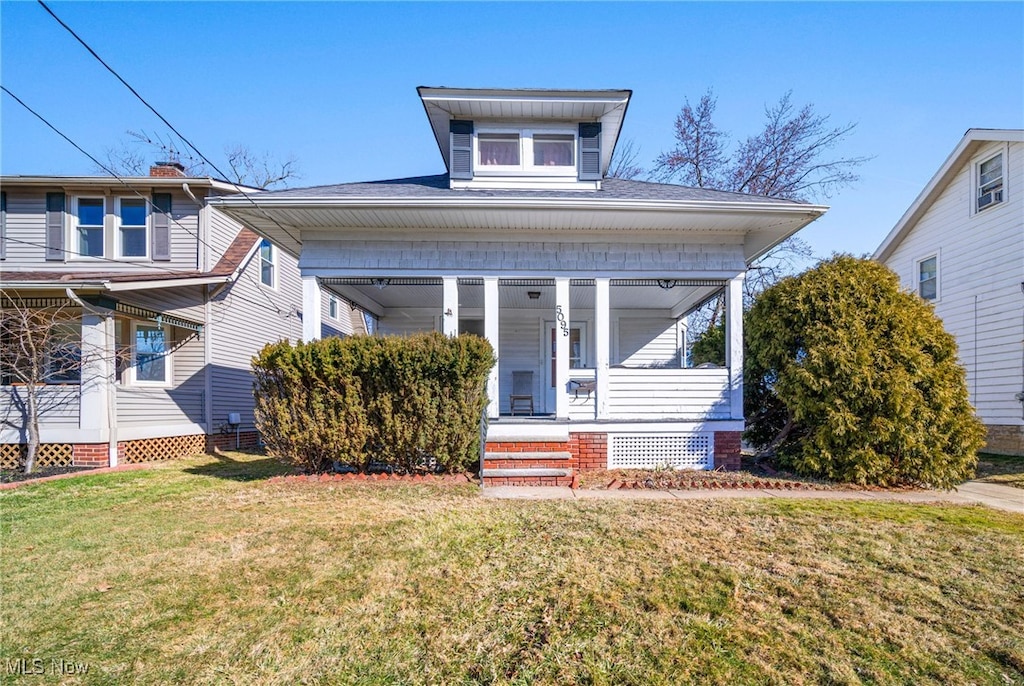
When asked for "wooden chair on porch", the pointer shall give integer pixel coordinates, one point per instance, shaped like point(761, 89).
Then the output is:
point(521, 398)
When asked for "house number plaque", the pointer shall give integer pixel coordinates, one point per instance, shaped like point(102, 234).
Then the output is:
point(560, 316)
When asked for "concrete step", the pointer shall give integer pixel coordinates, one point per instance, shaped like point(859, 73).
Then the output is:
point(538, 455)
point(524, 473)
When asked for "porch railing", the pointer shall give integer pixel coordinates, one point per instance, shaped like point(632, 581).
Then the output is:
point(652, 394)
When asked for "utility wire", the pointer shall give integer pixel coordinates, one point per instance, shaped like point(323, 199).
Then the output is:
point(164, 120)
point(133, 190)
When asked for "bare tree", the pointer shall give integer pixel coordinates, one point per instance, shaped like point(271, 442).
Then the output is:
point(789, 158)
point(241, 164)
point(699, 158)
point(623, 164)
point(39, 347)
point(259, 171)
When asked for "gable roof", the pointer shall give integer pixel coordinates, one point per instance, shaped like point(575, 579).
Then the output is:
point(967, 146)
point(605, 106)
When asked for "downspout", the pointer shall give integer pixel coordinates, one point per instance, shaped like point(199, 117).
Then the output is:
point(111, 396)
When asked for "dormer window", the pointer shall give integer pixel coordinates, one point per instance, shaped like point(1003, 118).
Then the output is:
point(498, 150)
point(554, 150)
point(544, 152)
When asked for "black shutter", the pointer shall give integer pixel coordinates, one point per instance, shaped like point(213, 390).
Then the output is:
point(462, 149)
point(3, 225)
point(55, 203)
point(162, 226)
point(590, 152)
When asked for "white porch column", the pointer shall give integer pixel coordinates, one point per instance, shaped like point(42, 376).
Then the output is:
point(93, 414)
point(602, 343)
point(450, 306)
point(311, 317)
point(734, 343)
point(562, 348)
point(491, 333)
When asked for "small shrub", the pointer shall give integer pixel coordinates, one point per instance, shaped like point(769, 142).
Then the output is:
point(413, 403)
point(850, 378)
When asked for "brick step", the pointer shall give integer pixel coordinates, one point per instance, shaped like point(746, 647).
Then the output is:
point(537, 455)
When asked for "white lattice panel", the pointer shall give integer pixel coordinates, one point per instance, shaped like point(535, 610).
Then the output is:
point(650, 451)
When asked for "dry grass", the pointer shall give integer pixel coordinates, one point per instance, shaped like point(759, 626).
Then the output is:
point(202, 572)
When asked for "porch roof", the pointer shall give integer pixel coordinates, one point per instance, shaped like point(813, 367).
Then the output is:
point(427, 203)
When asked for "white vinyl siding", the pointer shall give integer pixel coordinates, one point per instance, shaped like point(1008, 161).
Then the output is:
point(235, 340)
point(981, 271)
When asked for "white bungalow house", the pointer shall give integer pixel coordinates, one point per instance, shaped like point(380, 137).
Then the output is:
point(960, 246)
point(582, 283)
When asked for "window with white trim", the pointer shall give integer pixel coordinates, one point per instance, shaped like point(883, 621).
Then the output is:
point(89, 218)
point(990, 182)
point(132, 227)
point(268, 264)
point(151, 362)
point(928, 278)
point(534, 151)
point(332, 307)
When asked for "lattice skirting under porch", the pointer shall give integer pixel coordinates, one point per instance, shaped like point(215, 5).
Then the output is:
point(12, 455)
point(164, 448)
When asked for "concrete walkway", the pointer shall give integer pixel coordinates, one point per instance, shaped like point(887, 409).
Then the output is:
point(971, 493)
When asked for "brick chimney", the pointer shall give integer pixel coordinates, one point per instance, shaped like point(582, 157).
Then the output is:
point(167, 169)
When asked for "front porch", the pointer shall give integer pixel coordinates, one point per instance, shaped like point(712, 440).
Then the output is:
point(591, 373)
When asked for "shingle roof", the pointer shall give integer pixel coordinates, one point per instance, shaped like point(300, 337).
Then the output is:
point(438, 187)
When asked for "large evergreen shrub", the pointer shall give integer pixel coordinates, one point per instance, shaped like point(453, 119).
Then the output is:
point(853, 379)
point(413, 403)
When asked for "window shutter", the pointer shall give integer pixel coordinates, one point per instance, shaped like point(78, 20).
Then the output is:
point(462, 149)
point(590, 152)
point(55, 203)
point(162, 226)
point(3, 225)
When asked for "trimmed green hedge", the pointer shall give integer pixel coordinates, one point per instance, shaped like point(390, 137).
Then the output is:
point(413, 403)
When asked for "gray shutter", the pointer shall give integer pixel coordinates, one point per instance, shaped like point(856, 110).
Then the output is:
point(462, 149)
point(3, 225)
point(162, 226)
point(55, 203)
point(590, 152)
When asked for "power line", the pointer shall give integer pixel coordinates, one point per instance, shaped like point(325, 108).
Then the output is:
point(164, 120)
point(129, 187)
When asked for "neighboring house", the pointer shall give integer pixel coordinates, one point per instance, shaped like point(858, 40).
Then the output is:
point(961, 247)
point(581, 283)
point(177, 297)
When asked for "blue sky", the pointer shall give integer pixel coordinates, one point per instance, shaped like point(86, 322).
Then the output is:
point(334, 83)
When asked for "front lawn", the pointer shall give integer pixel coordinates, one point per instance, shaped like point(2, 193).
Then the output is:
point(1001, 469)
point(203, 571)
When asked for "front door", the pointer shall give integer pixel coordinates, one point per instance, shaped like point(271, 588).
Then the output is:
point(577, 352)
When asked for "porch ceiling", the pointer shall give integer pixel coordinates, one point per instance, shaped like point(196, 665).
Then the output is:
point(427, 293)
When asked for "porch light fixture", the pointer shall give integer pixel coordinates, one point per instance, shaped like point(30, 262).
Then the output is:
point(666, 283)
point(380, 283)
point(533, 295)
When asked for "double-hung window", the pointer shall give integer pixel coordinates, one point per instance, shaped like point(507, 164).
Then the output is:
point(332, 307)
point(89, 230)
point(928, 278)
point(268, 264)
point(133, 227)
point(150, 361)
point(990, 182)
